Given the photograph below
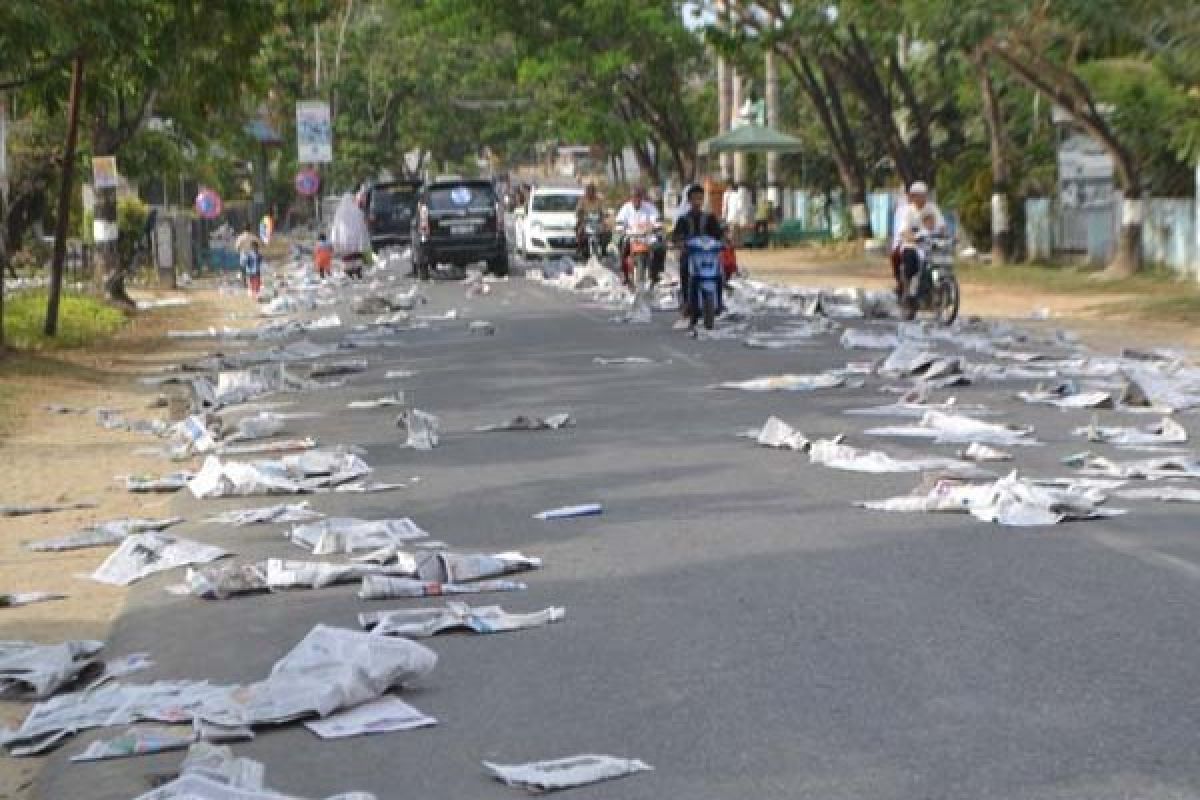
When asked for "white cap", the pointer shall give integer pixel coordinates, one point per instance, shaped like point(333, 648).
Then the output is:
point(918, 187)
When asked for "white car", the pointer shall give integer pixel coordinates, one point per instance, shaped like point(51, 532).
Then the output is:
point(545, 225)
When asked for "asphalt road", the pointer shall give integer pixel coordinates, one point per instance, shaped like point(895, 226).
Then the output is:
point(731, 618)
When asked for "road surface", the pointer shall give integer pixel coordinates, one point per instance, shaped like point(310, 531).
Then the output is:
point(731, 618)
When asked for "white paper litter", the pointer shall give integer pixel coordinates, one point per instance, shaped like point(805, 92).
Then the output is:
point(857, 339)
point(567, 512)
point(103, 533)
point(40, 670)
point(425, 622)
point(1010, 501)
point(1166, 431)
point(144, 554)
point(166, 483)
point(266, 515)
point(837, 455)
point(422, 429)
point(787, 383)
point(777, 433)
point(565, 773)
point(137, 742)
point(381, 402)
point(16, 599)
point(446, 567)
point(292, 474)
point(1185, 466)
point(623, 360)
point(382, 587)
point(350, 535)
point(982, 453)
point(385, 715)
point(945, 428)
point(524, 423)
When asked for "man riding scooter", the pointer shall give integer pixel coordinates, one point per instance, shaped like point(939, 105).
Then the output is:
point(906, 261)
point(692, 223)
point(639, 217)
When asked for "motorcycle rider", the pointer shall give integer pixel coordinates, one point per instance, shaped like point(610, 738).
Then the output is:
point(695, 222)
point(589, 204)
point(638, 212)
point(906, 261)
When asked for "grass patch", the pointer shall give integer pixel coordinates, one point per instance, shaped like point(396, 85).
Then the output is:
point(1081, 280)
point(82, 320)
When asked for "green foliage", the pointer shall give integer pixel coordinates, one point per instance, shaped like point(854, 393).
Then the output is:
point(82, 320)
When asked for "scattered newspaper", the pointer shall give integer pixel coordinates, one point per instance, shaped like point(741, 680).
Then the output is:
point(426, 622)
point(422, 429)
point(40, 670)
point(385, 715)
point(565, 773)
point(103, 533)
point(144, 554)
point(382, 587)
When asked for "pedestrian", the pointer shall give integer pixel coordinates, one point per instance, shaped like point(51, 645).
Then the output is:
point(252, 265)
point(762, 219)
point(731, 211)
point(323, 256)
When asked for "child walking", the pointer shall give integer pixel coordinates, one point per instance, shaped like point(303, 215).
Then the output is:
point(323, 256)
point(252, 263)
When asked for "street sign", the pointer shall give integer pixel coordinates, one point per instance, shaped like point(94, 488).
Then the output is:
point(104, 172)
point(308, 182)
point(208, 203)
point(314, 132)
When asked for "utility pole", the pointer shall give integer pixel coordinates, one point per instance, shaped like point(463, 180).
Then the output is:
point(64, 197)
point(738, 100)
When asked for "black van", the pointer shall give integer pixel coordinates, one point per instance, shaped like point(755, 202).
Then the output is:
point(459, 222)
point(391, 207)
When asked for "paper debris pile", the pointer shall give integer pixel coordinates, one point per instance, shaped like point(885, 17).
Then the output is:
point(144, 554)
point(565, 773)
point(103, 533)
point(425, 622)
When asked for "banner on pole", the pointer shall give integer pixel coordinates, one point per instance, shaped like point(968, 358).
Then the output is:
point(314, 132)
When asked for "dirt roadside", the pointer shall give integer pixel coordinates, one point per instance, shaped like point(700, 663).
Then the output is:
point(68, 457)
point(1094, 315)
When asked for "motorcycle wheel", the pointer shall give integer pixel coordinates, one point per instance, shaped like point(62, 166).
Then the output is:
point(947, 301)
point(710, 310)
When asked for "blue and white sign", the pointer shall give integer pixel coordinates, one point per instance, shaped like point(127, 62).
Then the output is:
point(307, 182)
point(314, 132)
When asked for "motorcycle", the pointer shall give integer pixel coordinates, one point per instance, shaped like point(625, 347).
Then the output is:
point(595, 237)
point(705, 272)
point(641, 242)
point(934, 287)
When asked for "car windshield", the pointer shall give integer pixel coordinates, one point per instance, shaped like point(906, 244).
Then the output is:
point(461, 198)
point(386, 199)
point(555, 202)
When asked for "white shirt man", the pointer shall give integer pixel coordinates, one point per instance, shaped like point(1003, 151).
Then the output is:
point(910, 215)
point(731, 207)
point(637, 214)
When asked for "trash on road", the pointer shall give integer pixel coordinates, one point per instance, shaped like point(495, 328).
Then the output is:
point(292, 474)
point(399, 374)
point(1162, 388)
point(565, 773)
point(857, 339)
point(144, 484)
point(287, 574)
point(481, 327)
point(335, 369)
point(385, 715)
point(945, 428)
point(567, 512)
point(624, 361)
point(381, 402)
point(778, 434)
point(101, 534)
point(1185, 466)
point(25, 511)
point(465, 567)
point(1067, 395)
point(524, 423)
point(144, 554)
point(422, 429)
point(224, 581)
point(40, 670)
point(425, 622)
point(838, 455)
point(266, 515)
point(1011, 500)
point(259, 426)
point(137, 742)
point(383, 587)
point(789, 383)
point(982, 453)
point(1163, 494)
point(15, 599)
point(350, 535)
point(1165, 431)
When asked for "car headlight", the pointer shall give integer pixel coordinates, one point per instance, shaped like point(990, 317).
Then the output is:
point(536, 225)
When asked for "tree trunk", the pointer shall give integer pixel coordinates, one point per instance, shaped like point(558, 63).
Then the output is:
point(993, 116)
point(771, 72)
point(1128, 258)
point(724, 98)
point(64, 198)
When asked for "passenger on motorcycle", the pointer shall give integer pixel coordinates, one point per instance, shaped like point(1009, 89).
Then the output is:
point(694, 222)
point(590, 205)
point(638, 212)
point(906, 260)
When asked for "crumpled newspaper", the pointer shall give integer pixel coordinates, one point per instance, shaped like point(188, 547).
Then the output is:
point(144, 554)
point(425, 622)
point(422, 429)
point(945, 428)
point(565, 773)
point(789, 383)
point(524, 423)
point(103, 533)
point(1165, 431)
point(40, 670)
point(836, 454)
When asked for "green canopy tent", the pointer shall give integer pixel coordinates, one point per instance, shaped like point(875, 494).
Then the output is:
point(751, 139)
